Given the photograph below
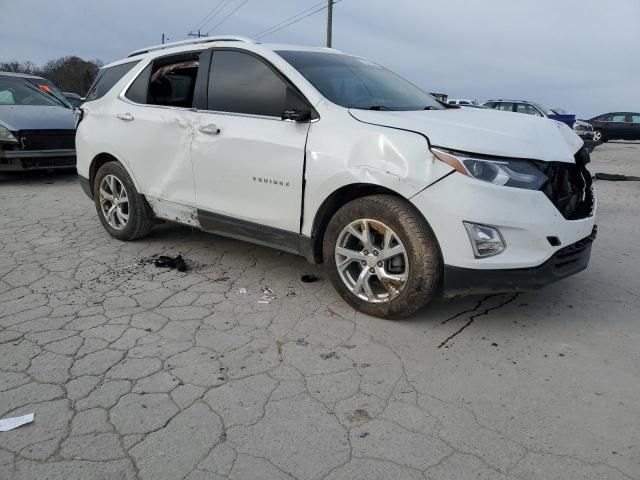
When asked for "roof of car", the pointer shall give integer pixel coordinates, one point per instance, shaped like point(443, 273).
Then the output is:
point(20, 75)
point(208, 42)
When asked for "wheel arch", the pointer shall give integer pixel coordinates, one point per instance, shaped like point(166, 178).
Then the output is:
point(332, 204)
point(99, 160)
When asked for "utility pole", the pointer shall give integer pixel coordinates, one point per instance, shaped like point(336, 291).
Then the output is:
point(196, 35)
point(330, 23)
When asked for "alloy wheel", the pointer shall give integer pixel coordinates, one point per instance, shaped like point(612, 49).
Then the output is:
point(372, 261)
point(597, 136)
point(114, 202)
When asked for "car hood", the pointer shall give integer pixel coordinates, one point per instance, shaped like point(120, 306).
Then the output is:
point(27, 117)
point(488, 132)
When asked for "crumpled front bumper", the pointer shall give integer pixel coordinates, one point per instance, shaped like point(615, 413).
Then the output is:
point(564, 263)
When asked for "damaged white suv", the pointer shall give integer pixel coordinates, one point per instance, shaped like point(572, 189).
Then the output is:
point(336, 158)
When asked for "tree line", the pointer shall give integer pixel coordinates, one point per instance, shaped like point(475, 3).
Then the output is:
point(70, 74)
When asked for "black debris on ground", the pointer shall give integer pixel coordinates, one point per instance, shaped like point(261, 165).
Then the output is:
point(309, 278)
point(177, 263)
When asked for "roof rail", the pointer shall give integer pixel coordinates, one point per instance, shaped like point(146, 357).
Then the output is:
point(214, 38)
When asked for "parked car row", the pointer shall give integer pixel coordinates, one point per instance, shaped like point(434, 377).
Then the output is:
point(610, 126)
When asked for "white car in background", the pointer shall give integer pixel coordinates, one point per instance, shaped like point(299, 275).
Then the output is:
point(336, 158)
point(463, 102)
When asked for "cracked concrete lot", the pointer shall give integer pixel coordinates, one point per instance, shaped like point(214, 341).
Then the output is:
point(136, 372)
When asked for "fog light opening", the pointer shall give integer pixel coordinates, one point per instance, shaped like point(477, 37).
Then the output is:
point(486, 241)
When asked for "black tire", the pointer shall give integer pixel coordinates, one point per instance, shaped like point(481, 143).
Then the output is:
point(423, 254)
point(140, 218)
point(603, 138)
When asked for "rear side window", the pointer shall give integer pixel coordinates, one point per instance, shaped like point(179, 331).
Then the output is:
point(619, 117)
point(528, 109)
point(241, 83)
point(506, 107)
point(107, 78)
point(137, 92)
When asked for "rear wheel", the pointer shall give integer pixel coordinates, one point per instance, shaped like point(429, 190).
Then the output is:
point(122, 210)
point(382, 257)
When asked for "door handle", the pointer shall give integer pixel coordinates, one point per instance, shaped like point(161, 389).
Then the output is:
point(127, 117)
point(210, 129)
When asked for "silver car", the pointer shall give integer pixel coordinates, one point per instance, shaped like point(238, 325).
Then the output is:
point(37, 124)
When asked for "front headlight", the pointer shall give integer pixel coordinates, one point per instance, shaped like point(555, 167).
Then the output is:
point(7, 136)
point(499, 171)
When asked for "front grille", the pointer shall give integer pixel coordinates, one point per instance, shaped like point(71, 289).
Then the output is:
point(47, 139)
point(566, 258)
point(570, 186)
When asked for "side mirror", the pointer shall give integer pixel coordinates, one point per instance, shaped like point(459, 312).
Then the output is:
point(296, 115)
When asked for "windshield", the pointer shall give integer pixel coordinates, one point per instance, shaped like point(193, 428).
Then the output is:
point(30, 91)
point(354, 82)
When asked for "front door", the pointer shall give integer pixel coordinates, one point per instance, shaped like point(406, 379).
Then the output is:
point(248, 163)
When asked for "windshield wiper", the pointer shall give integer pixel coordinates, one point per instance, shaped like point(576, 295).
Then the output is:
point(378, 107)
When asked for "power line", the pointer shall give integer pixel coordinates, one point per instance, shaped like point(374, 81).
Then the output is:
point(288, 19)
point(211, 14)
point(229, 15)
point(298, 20)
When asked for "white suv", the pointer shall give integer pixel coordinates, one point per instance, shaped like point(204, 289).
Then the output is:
point(336, 158)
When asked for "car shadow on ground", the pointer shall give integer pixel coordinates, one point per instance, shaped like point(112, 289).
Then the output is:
point(31, 177)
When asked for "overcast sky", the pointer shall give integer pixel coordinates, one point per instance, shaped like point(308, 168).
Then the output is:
point(583, 56)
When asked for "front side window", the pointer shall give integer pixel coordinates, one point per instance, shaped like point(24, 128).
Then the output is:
point(354, 82)
point(635, 117)
point(619, 117)
point(172, 82)
point(505, 107)
point(604, 118)
point(107, 78)
point(242, 83)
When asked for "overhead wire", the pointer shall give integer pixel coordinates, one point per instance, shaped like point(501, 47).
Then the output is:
point(295, 21)
point(210, 15)
point(288, 19)
point(242, 4)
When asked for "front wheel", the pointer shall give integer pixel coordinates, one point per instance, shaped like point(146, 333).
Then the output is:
point(122, 210)
point(382, 257)
point(598, 136)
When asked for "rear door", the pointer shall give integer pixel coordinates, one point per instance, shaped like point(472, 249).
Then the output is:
point(249, 162)
point(155, 116)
